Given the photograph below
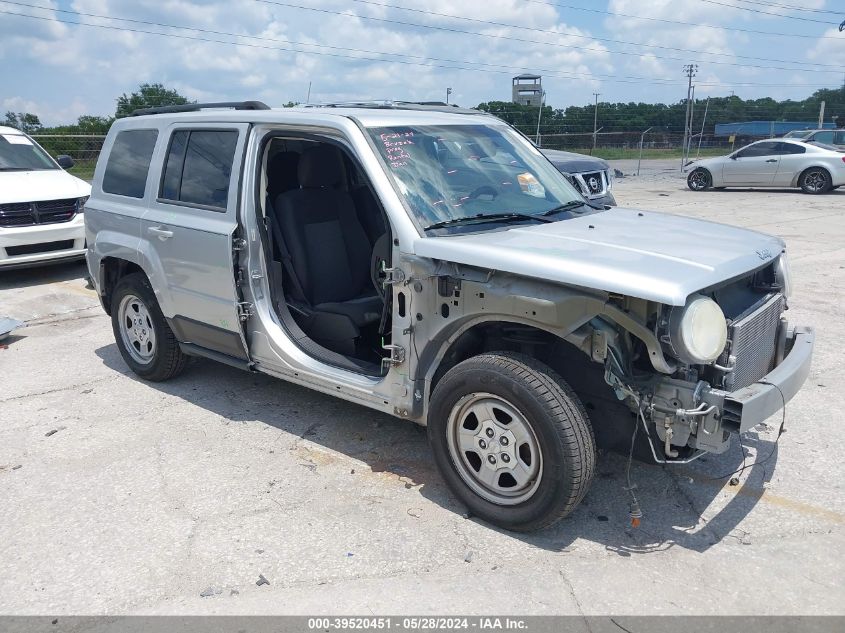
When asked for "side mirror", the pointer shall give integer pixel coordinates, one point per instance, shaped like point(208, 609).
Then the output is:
point(64, 161)
point(734, 156)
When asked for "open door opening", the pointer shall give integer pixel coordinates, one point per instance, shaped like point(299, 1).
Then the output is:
point(328, 243)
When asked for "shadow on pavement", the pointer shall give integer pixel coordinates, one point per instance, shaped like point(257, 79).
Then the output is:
point(42, 274)
point(672, 498)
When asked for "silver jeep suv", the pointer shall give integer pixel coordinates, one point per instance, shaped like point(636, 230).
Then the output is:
point(430, 263)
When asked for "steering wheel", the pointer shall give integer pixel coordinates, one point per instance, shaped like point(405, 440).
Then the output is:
point(482, 190)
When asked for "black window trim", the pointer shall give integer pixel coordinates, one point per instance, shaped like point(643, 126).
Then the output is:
point(149, 167)
point(193, 205)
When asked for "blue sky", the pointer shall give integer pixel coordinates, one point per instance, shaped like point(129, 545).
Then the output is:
point(627, 50)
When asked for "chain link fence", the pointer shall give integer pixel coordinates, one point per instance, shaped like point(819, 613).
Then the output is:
point(83, 149)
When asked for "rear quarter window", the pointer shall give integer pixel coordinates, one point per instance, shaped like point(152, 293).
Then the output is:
point(129, 163)
point(199, 168)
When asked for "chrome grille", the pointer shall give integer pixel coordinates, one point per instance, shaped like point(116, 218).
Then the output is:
point(753, 342)
point(42, 212)
point(594, 182)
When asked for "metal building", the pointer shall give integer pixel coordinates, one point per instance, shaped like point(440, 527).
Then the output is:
point(528, 90)
point(766, 128)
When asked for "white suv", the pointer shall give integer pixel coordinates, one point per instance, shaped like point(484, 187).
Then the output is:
point(40, 204)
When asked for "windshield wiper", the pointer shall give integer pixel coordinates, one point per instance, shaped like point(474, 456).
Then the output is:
point(482, 218)
point(16, 169)
point(568, 206)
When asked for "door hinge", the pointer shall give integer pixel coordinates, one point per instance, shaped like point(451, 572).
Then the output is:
point(238, 244)
point(397, 355)
point(245, 310)
point(392, 275)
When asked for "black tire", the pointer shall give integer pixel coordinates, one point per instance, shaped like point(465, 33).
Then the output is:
point(815, 180)
point(699, 179)
point(166, 359)
point(557, 421)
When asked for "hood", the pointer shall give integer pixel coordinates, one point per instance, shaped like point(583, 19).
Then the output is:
point(571, 162)
point(643, 254)
point(48, 184)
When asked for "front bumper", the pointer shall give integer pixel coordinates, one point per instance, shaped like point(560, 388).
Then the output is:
point(42, 243)
point(748, 407)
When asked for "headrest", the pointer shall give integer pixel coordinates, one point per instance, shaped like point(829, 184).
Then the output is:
point(282, 173)
point(321, 166)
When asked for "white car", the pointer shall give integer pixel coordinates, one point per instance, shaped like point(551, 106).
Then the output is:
point(40, 204)
point(772, 163)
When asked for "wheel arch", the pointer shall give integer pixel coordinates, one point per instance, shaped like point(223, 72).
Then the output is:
point(796, 181)
point(496, 333)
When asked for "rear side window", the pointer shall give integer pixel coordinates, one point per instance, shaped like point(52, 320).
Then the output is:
point(129, 163)
point(791, 148)
point(199, 167)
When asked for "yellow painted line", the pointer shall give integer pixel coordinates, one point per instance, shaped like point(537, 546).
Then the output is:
point(776, 500)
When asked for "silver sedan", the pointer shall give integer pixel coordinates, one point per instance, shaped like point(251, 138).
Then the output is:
point(772, 163)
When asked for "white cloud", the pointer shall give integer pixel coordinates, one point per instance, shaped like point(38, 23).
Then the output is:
point(59, 66)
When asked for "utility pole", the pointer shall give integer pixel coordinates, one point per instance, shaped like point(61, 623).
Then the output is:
point(595, 121)
point(690, 71)
point(539, 116)
point(821, 115)
point(448, 92)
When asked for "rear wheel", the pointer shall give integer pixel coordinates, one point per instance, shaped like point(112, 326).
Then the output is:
point(699, 179)
point(143, 337)
point(512, 440)
point(815, 180)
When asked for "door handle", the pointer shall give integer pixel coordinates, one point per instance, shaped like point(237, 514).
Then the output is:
point(160, 233)
point(772, 160)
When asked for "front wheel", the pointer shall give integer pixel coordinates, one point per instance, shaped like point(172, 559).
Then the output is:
point(814, 180)
point(512, 440)
point(143, 337)
point(699, 179)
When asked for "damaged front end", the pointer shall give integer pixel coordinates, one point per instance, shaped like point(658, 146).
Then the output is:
point(697, 389)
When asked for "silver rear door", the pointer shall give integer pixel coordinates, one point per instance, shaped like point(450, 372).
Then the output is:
point(190, 224)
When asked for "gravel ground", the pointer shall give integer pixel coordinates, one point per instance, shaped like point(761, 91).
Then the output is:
point(121, 496)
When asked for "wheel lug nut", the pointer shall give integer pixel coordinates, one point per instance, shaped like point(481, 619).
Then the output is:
point(489, 432)
point(506, 458)
point(503, 441)
point(482, 443)
point(491, 459)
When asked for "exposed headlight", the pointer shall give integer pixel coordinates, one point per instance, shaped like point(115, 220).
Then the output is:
point(698, 331)
point(783, 276)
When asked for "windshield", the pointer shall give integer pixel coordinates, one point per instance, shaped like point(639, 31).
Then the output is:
point(19, 153)
point(451, 173)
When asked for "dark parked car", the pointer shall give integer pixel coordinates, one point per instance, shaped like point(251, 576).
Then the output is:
point(592, 176)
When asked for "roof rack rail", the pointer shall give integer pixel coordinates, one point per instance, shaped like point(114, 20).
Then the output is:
point(387, 104)
point(196, 107)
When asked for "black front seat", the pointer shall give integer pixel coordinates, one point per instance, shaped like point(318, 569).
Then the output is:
point(329, 251)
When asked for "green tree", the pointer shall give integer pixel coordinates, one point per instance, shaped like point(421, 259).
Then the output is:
point(23, 121)
point(148, 96)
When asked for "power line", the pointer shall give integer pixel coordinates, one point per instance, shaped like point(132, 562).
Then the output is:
point(667, 21)
point(507, 69)
point(595, 38)
point(779, 15)
point(628, 79)
point(789, 6)
point(510, 38)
